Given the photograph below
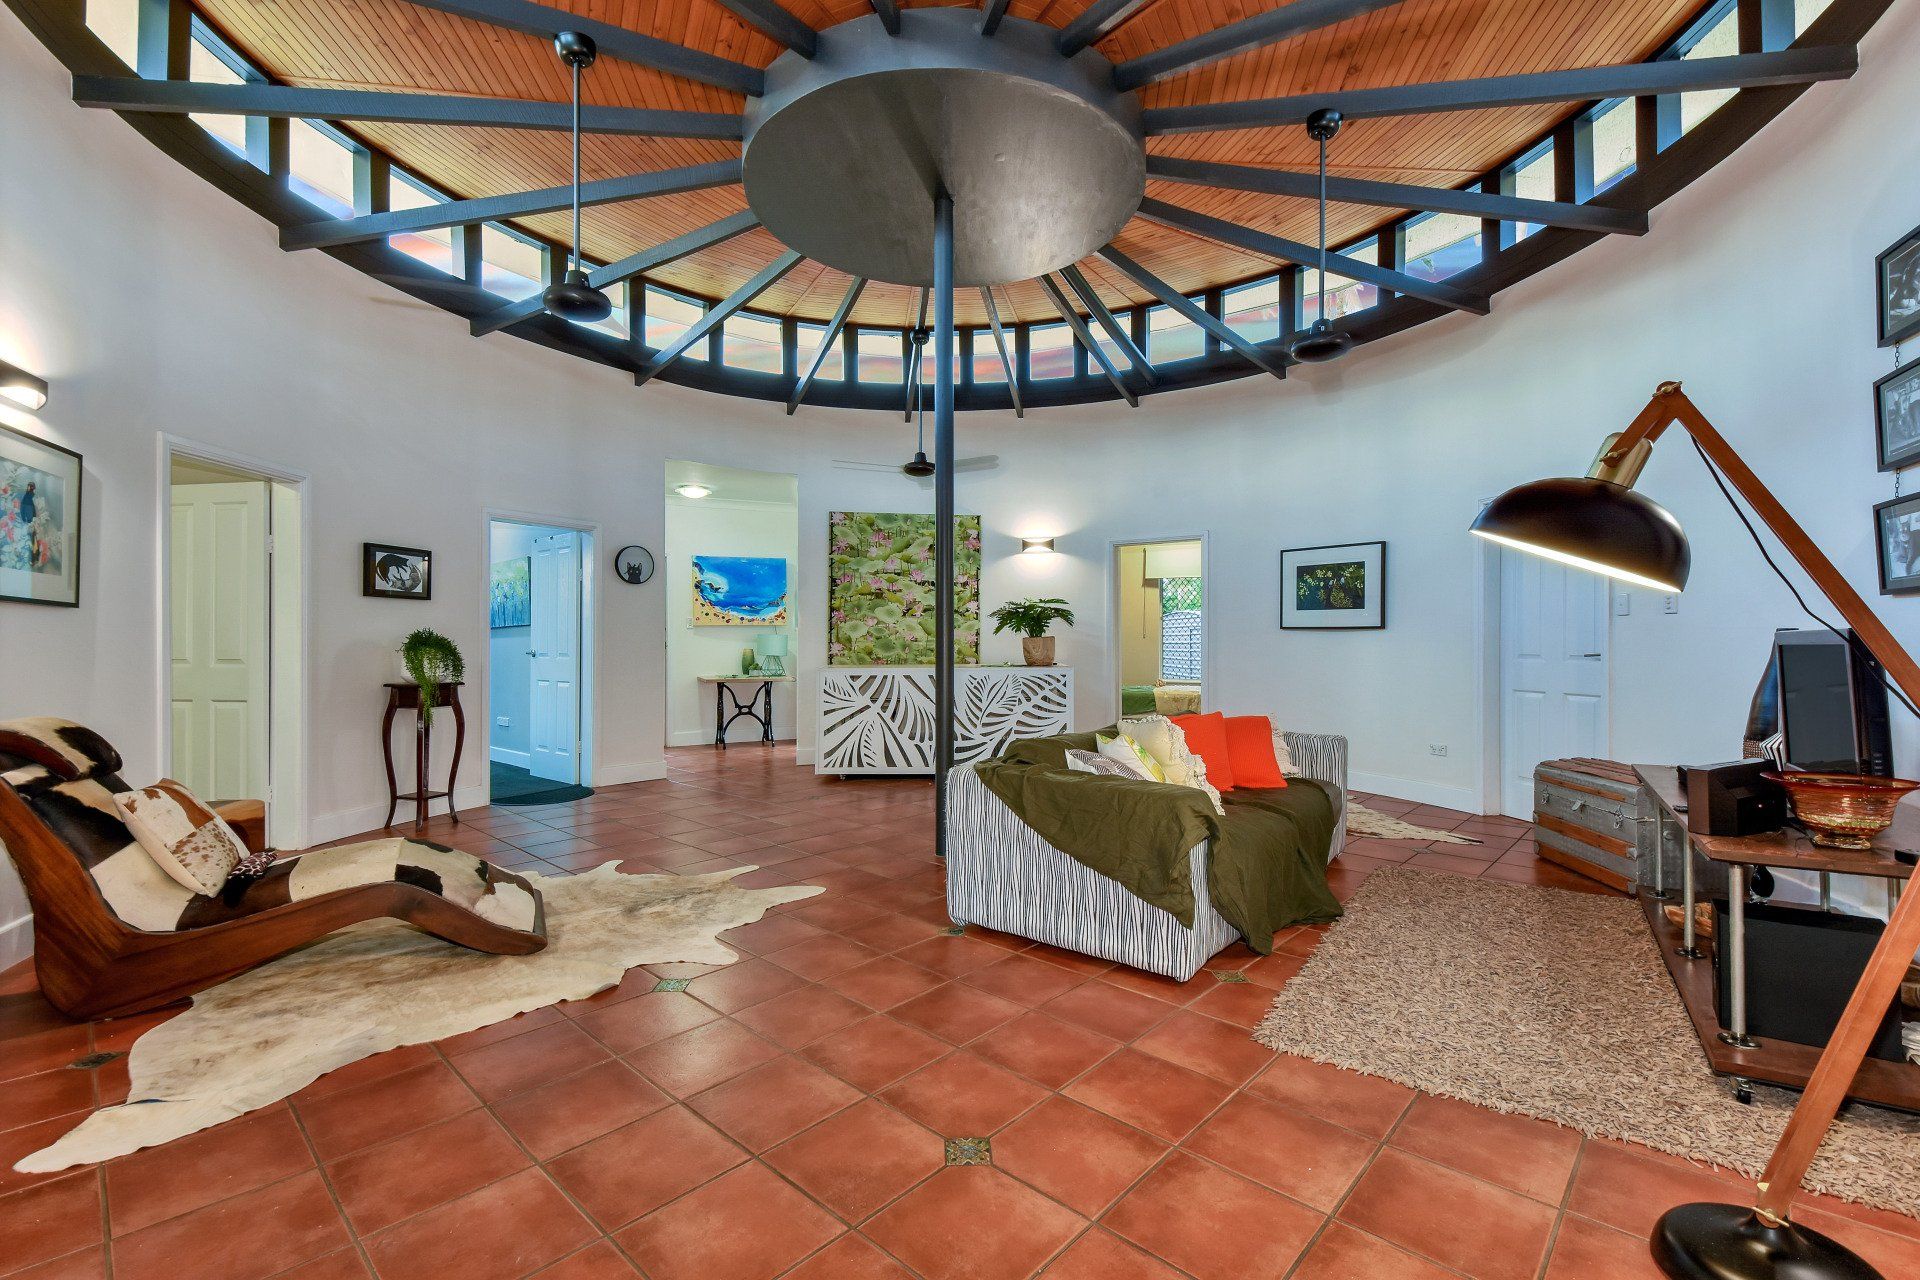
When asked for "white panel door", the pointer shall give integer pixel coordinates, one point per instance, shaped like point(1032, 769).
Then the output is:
point(1553, 670)
point(554, 713)
point(219, 605)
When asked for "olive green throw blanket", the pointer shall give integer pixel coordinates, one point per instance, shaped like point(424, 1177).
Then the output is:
point(1267, 863)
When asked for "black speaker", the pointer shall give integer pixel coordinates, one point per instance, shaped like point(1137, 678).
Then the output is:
point(1802, 965)
point(1733, 799)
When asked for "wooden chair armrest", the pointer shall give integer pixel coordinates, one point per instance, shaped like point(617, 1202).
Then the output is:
point(248, 818)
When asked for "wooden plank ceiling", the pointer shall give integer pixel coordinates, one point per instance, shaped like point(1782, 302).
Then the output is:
point(390, 44)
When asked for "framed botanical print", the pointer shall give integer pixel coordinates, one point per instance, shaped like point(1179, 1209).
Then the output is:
point(39, 521)
point(1896, 530)
point(1896, 416)
point(1898, 274)
point(395, 573)
point(1334, 588)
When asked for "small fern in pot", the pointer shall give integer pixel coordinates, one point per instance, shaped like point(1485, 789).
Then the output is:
point(1030, 619)
point(431, 661)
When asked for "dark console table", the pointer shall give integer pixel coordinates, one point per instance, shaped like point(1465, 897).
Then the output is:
point(757, 707)
point(404, 695)
point(1729, 1049)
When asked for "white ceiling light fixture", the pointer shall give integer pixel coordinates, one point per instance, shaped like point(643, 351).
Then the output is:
point(693, 491)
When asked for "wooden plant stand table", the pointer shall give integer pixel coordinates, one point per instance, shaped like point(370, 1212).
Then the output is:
point(402, 695)
point(1730, 1050)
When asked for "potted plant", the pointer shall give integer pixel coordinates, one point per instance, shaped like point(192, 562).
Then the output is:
point(1031, 618)
point(431, 661)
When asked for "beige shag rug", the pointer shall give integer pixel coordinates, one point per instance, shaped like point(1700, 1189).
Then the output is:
point(1553, 1004)
point(268, 1033)
point(1362, 821)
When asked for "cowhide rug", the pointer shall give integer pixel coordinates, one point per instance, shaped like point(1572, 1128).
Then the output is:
point(268, 1033)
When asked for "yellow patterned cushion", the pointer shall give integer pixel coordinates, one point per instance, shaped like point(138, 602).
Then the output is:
point(1130, 753)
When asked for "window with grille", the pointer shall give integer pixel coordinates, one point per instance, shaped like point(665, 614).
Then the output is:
point(1180, 629)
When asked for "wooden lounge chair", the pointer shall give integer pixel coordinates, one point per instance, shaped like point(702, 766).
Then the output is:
point(113, 934)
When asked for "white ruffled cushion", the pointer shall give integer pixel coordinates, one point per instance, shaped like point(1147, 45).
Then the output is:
point(1166, 742)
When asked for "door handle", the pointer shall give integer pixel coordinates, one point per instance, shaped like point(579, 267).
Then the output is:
point(532, 654)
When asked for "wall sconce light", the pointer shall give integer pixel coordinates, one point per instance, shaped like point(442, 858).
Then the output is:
point(692, 490)
point(1036, 546)
point(21, 387)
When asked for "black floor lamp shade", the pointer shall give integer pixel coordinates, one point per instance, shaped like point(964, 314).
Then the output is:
point(1592, 524)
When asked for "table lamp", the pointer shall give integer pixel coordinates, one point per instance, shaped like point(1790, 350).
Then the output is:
point(770, 652)
point(1598, 522)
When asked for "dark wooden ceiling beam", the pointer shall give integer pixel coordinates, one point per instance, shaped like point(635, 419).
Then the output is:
point(179, 97)
point(1107, 321)
point(1006, 356)
point(1086, 340)
point(1271, 27)
point(1581, 84)
point(771, 19)
point(1399, 195)
point(1272, 246)
point(827, 341)
point(669, 251)
point(889, 11)
point(519, 204)
point(1095, 23)
point(1193, 313)
point(990, 14)
point(716, 315)
point(612, 41)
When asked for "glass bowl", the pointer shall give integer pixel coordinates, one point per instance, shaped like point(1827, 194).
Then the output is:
point(1842, 810)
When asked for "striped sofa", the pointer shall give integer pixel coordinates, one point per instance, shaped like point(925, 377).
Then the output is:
point(1002, 875)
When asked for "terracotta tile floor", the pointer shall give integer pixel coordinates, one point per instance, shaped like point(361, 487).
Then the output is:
point(787, 1115)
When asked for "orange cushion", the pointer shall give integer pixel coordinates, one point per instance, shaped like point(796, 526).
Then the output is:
point(1250, 747)
point(1207, 738)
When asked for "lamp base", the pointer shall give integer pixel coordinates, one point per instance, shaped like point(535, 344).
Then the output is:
point(1729, 1242)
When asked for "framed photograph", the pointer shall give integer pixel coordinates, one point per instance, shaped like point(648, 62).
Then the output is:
point(1336, 588)
point(1898, 273)
point(397, 573)
point(39, 521)
point(1896, 525)
point(1896, 416)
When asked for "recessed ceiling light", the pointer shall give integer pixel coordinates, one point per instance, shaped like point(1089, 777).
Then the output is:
point(692, 490)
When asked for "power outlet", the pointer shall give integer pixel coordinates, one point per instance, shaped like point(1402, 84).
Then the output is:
point(1436, 748)
point(504, 722)
point(1622, 604)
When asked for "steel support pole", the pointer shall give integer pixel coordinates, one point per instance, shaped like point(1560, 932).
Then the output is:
point(942, 509)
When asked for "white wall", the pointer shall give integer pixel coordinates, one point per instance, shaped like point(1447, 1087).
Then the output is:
point(722, 527)
point(1755, 286)
point(509, 669)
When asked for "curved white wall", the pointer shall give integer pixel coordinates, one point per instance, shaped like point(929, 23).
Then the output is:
point(155, 304)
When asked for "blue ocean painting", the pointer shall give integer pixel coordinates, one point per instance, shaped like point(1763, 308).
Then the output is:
point(739, 591)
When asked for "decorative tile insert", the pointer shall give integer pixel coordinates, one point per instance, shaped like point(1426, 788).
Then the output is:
point(1229, 975)
point(672, 984)
point(969, 1151)
point(93, 1061)
point(954, 931)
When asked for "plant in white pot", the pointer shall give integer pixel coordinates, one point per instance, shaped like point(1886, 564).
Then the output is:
point(1030, 619)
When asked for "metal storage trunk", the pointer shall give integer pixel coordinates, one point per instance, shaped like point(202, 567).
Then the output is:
point(1593, 817)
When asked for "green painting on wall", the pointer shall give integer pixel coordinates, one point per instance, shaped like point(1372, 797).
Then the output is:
point(880, 596)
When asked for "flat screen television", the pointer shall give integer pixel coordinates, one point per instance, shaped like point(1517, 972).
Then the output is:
point(1826, 700)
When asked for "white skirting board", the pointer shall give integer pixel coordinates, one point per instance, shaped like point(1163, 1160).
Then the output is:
point(502, 755)
point(1465, 799)
point(16, 941)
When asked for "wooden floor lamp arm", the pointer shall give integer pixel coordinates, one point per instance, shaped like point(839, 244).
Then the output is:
point(1879, 985)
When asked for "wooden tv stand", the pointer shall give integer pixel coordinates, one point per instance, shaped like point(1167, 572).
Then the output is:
point(1729, 1050)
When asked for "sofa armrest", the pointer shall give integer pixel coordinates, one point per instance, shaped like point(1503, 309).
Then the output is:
point(248, 818)
point(1321, 756)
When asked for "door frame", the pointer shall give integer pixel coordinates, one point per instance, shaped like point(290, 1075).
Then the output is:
point(1112, 681)
point(589, 675)
point(1488, 679)
point(289, 692)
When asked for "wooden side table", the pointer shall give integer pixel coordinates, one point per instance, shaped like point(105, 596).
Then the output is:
point(404, 694)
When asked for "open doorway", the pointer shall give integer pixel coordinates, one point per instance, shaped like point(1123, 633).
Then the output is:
point(1160, 626)
point(1553, 623)
point(539, 669)
point(235, 643)
point(732, 544)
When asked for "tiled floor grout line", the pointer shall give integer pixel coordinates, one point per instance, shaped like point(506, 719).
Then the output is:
point(1564, 1207)
point(333, 1193)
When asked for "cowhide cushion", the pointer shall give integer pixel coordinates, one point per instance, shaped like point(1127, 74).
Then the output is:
point(191, 842)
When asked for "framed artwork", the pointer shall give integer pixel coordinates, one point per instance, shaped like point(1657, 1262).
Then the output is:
point(39, 521)
point(1335, 588)
point(395, 573)
point(510, 593)
point(880, 599)
point(739, 591)
point(1896, 416)
point(1896, 529)
point(1897, 272)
